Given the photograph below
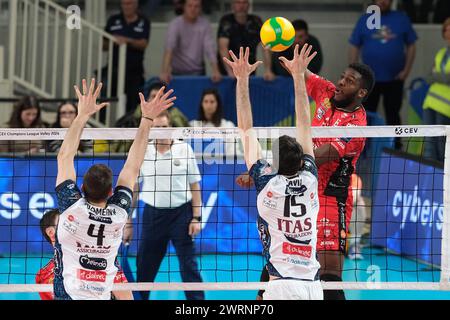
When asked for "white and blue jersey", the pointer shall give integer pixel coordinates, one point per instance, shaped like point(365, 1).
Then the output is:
point(287, 221)
point(87, 242)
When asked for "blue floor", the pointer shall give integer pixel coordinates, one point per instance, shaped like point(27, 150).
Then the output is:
point(247, 268)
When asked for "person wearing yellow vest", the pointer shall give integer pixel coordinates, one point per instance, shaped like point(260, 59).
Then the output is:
point(437, 103)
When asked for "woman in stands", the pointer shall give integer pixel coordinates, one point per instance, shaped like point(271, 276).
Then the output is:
point(26, 114)
point(210, 112)
point(67, 112)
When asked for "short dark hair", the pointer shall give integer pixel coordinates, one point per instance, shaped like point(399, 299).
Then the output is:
point(218, 115)
point(287, 155)
point(300, 24)
point(97, 182)
point(48, 220)
point(368, 77)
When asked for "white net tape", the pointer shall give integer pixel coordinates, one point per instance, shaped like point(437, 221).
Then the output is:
point(263, 133)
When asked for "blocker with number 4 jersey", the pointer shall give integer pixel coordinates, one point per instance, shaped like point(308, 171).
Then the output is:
point(288, 209)
point(335, 191)
point(87, 242)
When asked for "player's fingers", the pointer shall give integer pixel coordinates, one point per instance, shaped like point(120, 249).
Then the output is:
point(141, 96)
point(85, 89)
point(302, 52)
point(167, 95)
point(256, 65)
point(227, 61)
point(101, 106)
point(308, 51)
point(77, 91)
point(283, 60)
point(311, 57)
point(247, 53)
point(233, 56)
point(159, 94)
point(241, 52)
point(167, 106)
point(97, 92)
point(92, 87)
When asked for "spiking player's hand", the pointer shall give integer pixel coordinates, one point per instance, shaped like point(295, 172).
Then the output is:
point(87, 102)
point(240, 66)
point(299, 63)
point(161, 102)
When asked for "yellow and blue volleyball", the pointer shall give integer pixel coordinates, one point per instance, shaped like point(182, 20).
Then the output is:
point(277, 34)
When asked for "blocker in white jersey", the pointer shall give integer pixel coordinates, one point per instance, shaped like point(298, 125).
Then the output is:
point(287, 201)
point(90, 228)
point(287, 221)
point(87, 242)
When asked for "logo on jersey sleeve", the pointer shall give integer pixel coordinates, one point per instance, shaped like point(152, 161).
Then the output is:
point(93, 263)
point(69, 227)
point(271, 204)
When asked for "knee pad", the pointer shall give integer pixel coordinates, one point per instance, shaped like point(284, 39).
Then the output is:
point(332, 294)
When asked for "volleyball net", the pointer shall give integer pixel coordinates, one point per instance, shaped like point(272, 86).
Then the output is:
point(399, 232)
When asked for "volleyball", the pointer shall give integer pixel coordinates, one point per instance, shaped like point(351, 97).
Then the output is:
point(277, 34)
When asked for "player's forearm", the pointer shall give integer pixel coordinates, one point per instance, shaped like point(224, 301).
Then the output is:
point(303, 113)
point(196, 199)
point(138, 148)
point(244, 110)
point(71, 141)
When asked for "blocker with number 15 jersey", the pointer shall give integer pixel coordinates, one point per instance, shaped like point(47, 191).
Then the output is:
point(288, 209)
point(87, 242)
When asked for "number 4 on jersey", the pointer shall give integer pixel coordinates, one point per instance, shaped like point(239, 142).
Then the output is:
point(100, 236)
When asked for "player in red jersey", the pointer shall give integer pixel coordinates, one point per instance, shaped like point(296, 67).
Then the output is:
point(339, 104)
point(45, 275)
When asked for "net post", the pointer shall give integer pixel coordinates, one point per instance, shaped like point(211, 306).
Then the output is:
point(445, 248)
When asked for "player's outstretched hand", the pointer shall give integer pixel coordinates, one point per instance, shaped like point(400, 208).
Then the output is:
point(161, 102)
point(299, 63)
point(87, 102)
point(240, 66)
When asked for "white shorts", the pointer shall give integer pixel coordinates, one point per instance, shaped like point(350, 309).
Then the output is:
point(291, 289)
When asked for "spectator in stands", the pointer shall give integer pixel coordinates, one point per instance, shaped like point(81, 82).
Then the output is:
point(133, 29)
point(189, 40)
point(66, 114)
point(210, 113)
point(302, 36)
point(241, 29)
point(26, 114)
point(390, 52)
point(421, 14)
point(437, 103)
